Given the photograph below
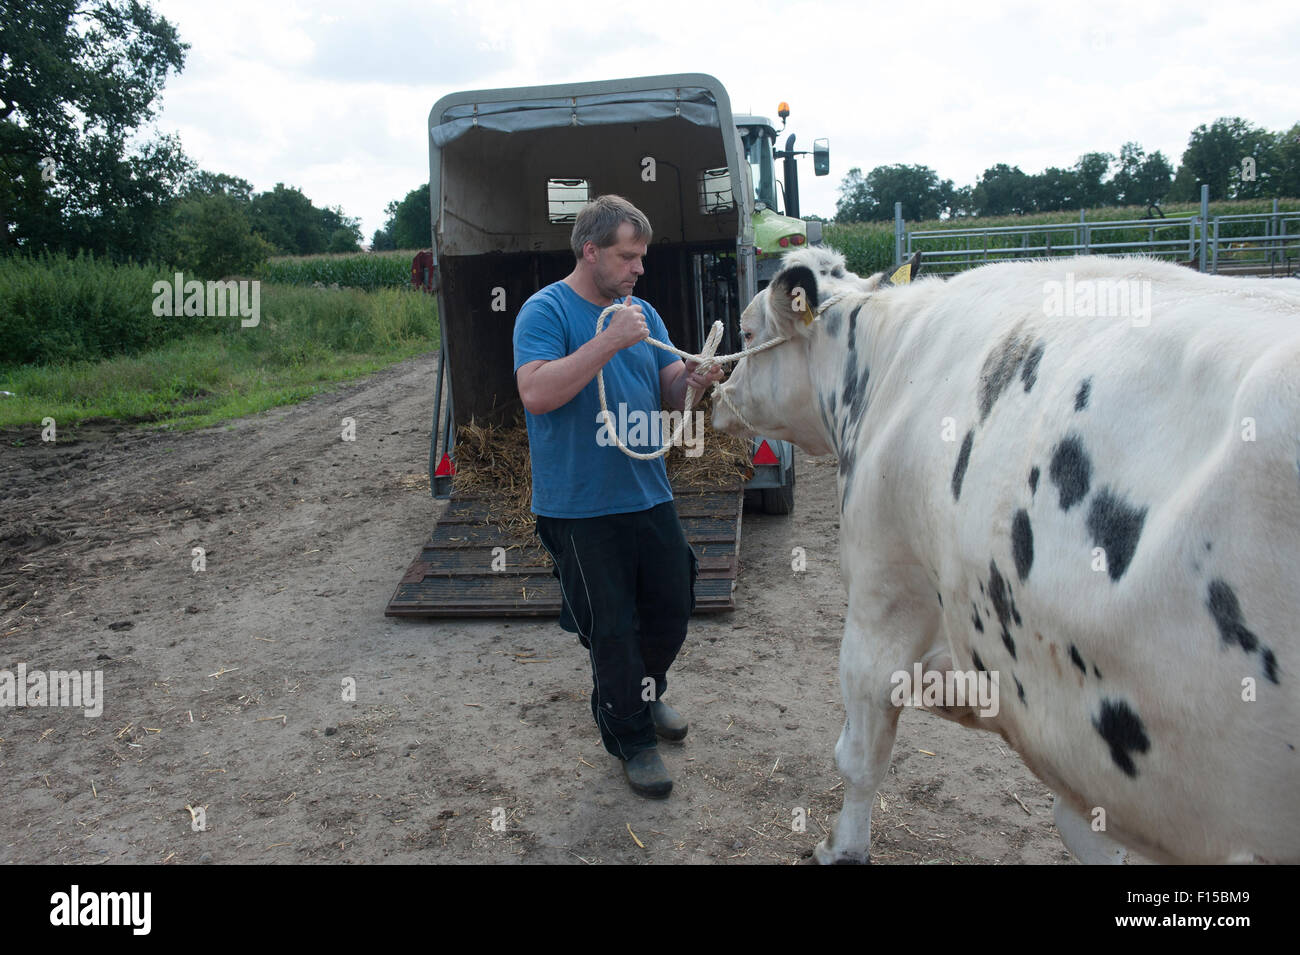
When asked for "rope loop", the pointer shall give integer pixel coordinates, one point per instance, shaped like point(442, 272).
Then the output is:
point(705, 360)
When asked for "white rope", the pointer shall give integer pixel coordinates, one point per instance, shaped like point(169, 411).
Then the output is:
point(705, 360)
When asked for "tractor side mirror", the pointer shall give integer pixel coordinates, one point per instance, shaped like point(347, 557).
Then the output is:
point(821, 157)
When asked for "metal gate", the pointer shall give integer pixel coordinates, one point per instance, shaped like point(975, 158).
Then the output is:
point(1265, 243)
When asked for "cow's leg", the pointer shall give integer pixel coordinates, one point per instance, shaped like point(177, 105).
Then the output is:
point(1089, 847)
point(868, 656)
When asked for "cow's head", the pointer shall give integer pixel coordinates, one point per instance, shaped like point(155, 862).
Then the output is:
point(773, 390)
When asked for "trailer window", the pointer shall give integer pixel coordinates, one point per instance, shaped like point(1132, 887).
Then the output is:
point(715, 191)
point(565, 197)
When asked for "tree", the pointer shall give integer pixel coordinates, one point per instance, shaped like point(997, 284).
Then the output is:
point(1141, 179)
point(287, 219)
point(1054, 189)
point(343, 240)
point(343, 231)
point(872, 198)
point(382, 241)
point(204, 183)
point(1002, 190)
point(1214, 156)
point(959, 201)
point(211, 236)
point(76, 82)
point(1093, 188)
point(923, 195)
point(1184, 188)
point(409, 224)
point(854, 204)
point(1284, 163)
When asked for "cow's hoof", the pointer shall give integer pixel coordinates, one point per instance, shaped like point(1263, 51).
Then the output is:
point(824, 855)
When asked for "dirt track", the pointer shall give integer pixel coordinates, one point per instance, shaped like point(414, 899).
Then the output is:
point(223, 688)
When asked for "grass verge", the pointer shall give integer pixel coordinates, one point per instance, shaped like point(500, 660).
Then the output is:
point(308, 340)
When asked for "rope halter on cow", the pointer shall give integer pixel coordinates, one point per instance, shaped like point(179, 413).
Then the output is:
point(705, 360)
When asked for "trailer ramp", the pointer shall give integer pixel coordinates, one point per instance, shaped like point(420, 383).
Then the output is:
point(453, 575)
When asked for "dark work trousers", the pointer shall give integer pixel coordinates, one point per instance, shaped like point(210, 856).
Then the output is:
point(629, 588)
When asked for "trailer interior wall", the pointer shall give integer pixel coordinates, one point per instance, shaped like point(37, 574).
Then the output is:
point(494, 192)
point(494, 232)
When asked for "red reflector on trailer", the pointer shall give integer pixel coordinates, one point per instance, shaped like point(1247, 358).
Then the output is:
point(764, 454)
point(445, 467)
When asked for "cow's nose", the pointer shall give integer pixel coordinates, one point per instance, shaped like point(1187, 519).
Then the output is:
point(719, 416)
point(723, 419)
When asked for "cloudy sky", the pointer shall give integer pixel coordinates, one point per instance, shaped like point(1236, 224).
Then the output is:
point(331, 96)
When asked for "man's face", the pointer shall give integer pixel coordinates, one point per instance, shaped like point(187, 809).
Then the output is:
point(618, 266)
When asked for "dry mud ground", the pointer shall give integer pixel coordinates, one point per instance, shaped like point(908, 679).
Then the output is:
point(223, 687)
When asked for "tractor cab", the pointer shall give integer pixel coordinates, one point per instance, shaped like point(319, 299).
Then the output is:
point(777, 226)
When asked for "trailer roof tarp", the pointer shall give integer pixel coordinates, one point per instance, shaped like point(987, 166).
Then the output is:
point(694, 104)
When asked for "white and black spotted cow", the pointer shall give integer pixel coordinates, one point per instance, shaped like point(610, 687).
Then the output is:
point(1103, 510)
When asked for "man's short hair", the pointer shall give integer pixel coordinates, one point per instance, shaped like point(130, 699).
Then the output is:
point(599, 219)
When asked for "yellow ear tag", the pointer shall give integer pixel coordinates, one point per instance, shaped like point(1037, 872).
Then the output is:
point(902, 275)
point(807, 317)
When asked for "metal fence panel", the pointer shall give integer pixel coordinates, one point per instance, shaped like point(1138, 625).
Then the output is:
point(1266, 243)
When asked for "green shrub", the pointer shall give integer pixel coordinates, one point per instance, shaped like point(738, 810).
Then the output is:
point(55, 308)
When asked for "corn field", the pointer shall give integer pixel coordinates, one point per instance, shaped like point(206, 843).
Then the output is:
point(367, 271)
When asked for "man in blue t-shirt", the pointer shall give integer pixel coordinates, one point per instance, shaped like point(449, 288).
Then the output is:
point(625, 568)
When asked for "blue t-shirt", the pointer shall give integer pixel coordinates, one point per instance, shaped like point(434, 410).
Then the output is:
point(575, 474)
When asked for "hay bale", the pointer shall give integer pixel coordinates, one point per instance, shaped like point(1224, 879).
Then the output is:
point(725, 460)
point(493, 462)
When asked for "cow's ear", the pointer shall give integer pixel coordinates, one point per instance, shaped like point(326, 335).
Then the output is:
point(904, 273)
point(793, 296)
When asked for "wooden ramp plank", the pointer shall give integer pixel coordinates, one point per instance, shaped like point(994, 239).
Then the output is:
point(452, 576)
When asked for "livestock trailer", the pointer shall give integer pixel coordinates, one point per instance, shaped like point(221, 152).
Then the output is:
point(508, 171)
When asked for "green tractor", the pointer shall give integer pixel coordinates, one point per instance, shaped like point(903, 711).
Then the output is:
point(777, 226)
